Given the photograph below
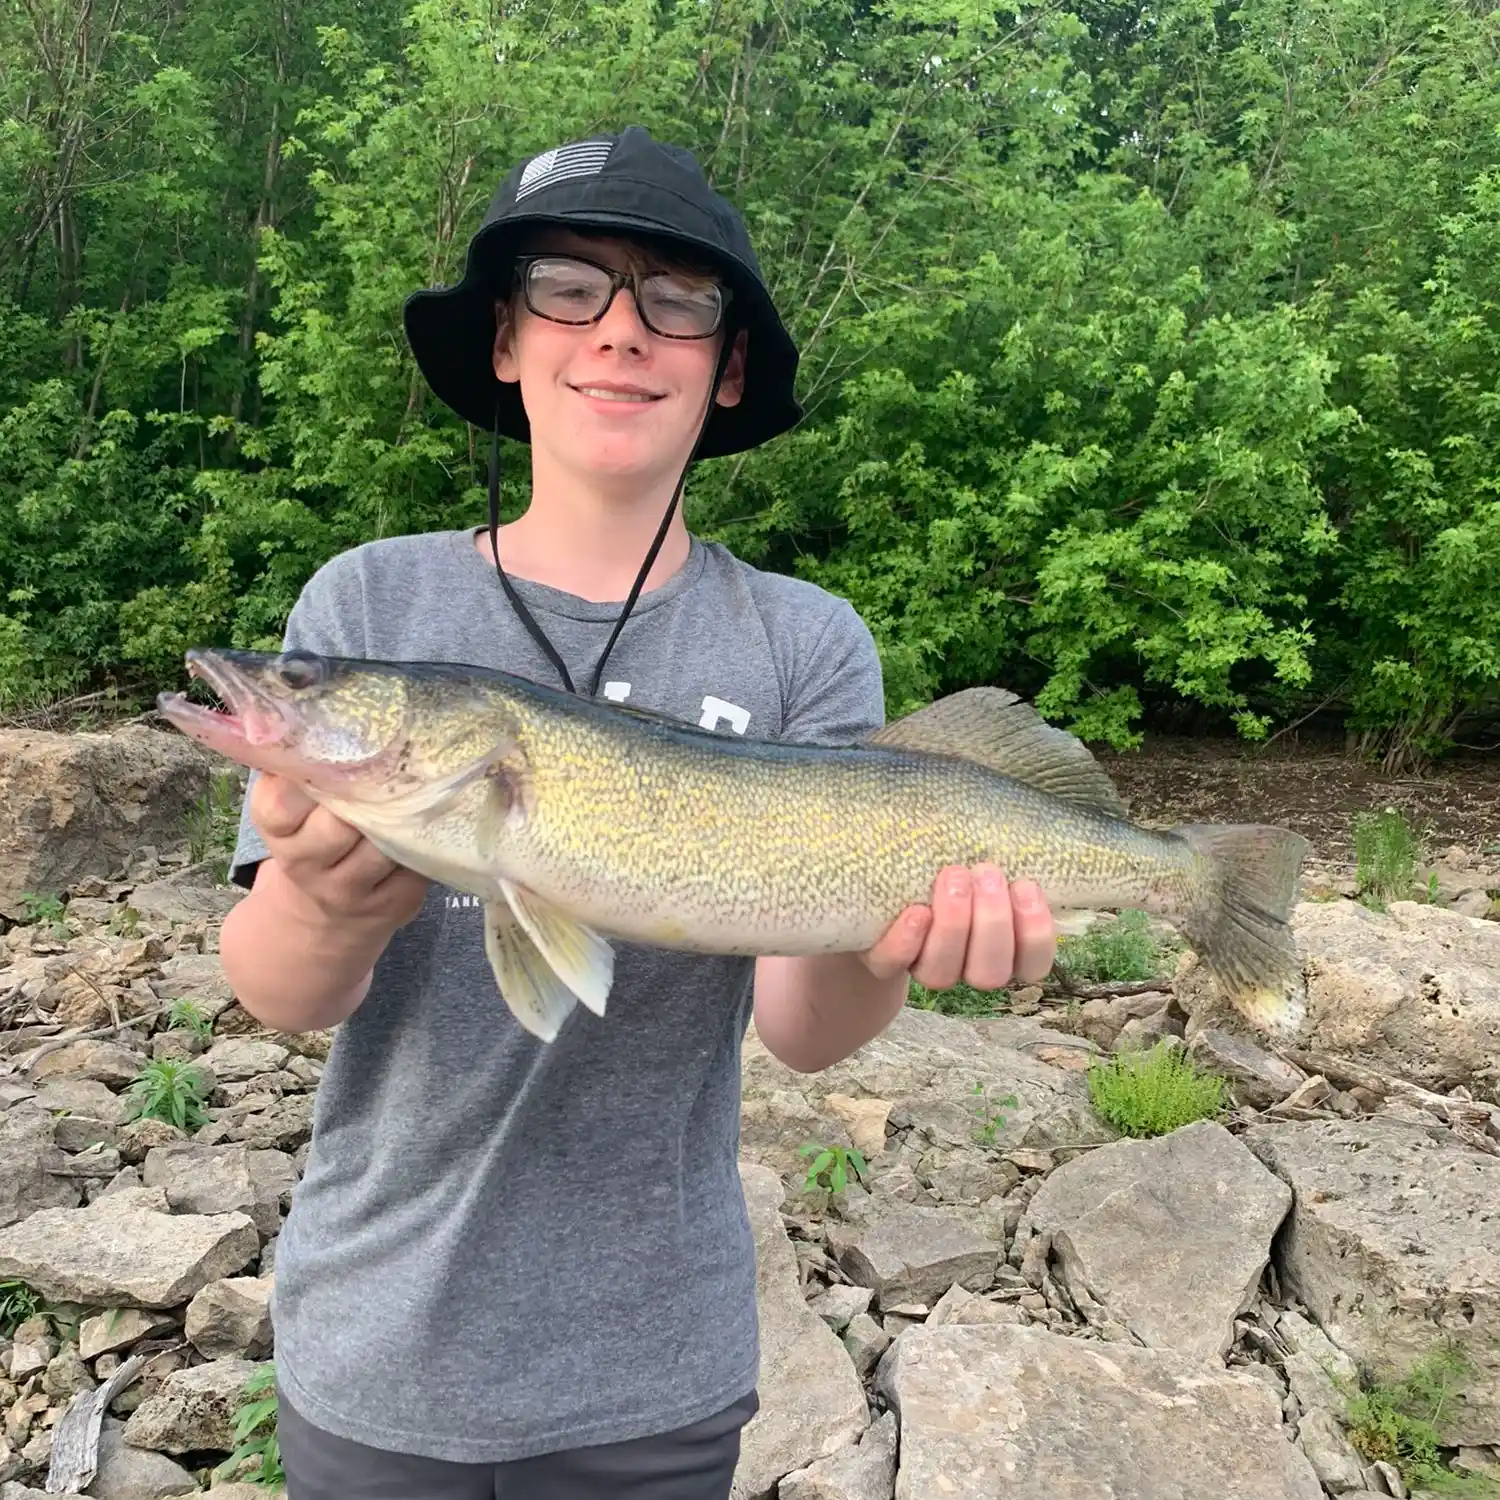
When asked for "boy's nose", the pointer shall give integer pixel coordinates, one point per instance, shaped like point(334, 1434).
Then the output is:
point(621, 325)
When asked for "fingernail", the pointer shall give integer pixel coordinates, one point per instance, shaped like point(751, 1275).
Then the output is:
point(958, 883)
point(916, 920)
point(989, 879)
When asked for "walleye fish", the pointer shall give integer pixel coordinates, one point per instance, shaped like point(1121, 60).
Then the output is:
point(576, 821)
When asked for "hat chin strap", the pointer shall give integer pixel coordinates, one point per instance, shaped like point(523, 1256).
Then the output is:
point(535, 630)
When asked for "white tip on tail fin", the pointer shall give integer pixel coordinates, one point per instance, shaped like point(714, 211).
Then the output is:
point(544, 961)
point(1240, 925)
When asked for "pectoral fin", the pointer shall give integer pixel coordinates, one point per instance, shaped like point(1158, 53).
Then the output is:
point(537, 998)
point(579, 957)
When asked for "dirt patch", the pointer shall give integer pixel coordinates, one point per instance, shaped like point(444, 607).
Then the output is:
point(1314, 789)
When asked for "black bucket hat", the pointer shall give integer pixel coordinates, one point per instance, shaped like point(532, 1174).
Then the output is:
point(625, 183)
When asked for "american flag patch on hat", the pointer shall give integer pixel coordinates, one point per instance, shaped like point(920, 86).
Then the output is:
point(579, 159)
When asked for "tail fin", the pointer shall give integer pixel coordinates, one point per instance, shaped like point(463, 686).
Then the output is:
point(1239, 927)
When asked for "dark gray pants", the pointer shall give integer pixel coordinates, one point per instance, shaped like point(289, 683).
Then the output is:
point(692, 1463)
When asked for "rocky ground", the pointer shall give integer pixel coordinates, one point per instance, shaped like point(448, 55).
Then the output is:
point(1015, 1300)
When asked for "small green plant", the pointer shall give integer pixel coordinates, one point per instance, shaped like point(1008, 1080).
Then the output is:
point(126, 922)
point(46, 909)
point(168, 1089)
point(255, 1433)
point(1154, 1092)
point(187, 1015)
point(961, 1000)
point(831, 1166)
point(1385, 858)
point(213, 823)
point(17, 1303)
point(989, 1122)
point(1396, 1422)
point(1124, 950)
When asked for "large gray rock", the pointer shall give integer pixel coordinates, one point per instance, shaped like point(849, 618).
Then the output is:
point(1321, 1375)
point(1254, 1076)
point(119, 1328)
point(811, 1400)
point(125, 1250)
point(127, 1473)
point(916, 1254)
point(106, 1062)
point(1410, 991)
point(227, 1178)
point(28, 1158)
point(866, 1472)
point(232, 1317)
point(925, 1067)
point(193, 1409)
point(198, 977)
point(237, 1058)
point(1393, 1245)
point(1167, 1236)
point(79, 805)
point(1017, 1412)
point(1330, 1453)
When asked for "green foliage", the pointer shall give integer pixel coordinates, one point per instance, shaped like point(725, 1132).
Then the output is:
point(1385, 857)
point(171, 1090)
point(961, 1000)
point(1395, 1422)
point(989, 1121)
point(186, 1015)
point(1154, 1092)
point(255, 1438)
point(125, 922)
point(18, 1302)
point(1148, 354)
point(48, 910)
point(213, 822)
point(832, 1167)
point(1121, 950)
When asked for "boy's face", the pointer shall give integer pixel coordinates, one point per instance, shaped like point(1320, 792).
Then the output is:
point(610, 399)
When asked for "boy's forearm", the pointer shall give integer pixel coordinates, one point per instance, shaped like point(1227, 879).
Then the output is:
point(812, 1012)
point(290, 970)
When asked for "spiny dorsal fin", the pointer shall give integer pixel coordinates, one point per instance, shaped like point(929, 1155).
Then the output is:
point(995, 729)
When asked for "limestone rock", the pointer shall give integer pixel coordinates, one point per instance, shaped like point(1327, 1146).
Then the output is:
point(1255, 1077)
point(106, 1062)
point(81, 804)
point(811, 1401)
point(198, 977)
point(119, 1328)
point(1393, 1244)
point(232, 1317)
point(1410, 991)
point(138, 1139)
point(915, 1254)
point(840, 1303)
point(193, 1409)
point(237, 1058)
point(1168, 1236)
point(1330, 1452)
point(865, 1472)
point(1031, 1415)
point(28, 1158)
point(227, 1178)
point(127, 1473)
point(180, 902)
point(125, 1251)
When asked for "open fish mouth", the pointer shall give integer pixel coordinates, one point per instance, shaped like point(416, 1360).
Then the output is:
point(249, 716)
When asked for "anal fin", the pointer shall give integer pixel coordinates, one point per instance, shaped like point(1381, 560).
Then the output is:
point(582, 959)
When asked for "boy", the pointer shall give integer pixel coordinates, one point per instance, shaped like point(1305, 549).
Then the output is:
point(515, 1268)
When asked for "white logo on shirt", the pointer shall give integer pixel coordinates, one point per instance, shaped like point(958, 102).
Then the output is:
point(714, 709)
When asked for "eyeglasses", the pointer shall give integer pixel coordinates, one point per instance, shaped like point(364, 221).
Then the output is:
point(569, 289)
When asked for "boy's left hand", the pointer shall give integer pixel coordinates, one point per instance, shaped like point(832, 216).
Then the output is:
point(980, 930)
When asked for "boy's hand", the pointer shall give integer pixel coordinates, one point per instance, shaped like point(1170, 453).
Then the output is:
point(326, 870)
point(979, 930)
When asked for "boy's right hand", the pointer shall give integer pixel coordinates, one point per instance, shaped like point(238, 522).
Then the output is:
point(325, 871)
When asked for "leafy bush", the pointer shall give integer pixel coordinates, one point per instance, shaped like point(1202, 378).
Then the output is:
point(255, 1437)
point(1385, 857)
point(186, 1014)
point(18, 1302)
point(1394, 1422)
point(169, 1090)
point(1122, 950)
point(832, 1166)
point(961, 1000)
point(1154, 1092)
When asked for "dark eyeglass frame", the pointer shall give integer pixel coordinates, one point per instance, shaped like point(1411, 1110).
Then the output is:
point(617, 280)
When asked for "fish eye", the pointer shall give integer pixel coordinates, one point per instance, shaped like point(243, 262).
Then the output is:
point(300, 669)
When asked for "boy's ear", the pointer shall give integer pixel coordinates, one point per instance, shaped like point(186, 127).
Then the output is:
point(503, 355)
point(732, 386)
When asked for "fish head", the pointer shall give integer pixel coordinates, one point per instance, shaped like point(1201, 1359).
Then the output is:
point(365, 732)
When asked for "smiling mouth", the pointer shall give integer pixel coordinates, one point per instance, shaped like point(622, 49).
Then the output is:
point(604, 393)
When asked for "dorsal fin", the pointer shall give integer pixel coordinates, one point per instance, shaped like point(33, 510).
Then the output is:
point(995, 729)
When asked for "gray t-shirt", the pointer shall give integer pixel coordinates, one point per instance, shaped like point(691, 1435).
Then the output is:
point(500, 1247)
